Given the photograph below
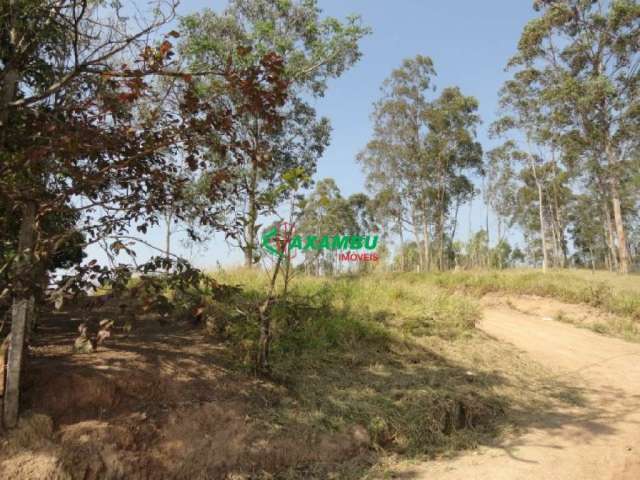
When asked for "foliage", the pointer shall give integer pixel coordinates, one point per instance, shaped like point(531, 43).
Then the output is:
point(575, 91)
point(420, 155)
point(314, 50)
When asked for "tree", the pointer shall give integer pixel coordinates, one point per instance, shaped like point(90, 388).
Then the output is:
point(85, 141)
point(582, 59)
point(392, 159)
point(314, 50)
point(522, 111)
point(502, 185)
point(453, 152)
point(326, 212)
point(420, 155)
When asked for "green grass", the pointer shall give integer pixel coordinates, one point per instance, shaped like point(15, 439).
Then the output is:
point(394, 354)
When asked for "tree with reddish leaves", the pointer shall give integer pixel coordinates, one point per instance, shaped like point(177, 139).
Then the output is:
point(316, 48)
point(81, 131)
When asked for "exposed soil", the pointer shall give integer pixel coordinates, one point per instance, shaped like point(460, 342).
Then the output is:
point(164, 402)
point(549, 308)
point(155, 404)
point(598, 438)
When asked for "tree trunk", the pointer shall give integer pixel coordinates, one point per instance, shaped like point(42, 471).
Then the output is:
point(401, 234)
point(441, 241)
point(454, 221)
point(264, 312)
point(4, 349)
point(7, 96)
point(561, 254)
point(19, 317)
point(609, 238)
point(167, 239)
point(264, 342)
point(252, 217)
point(427, 243)
point(31, 316)
point(543, 233)
point(554, 242)
point(623, 252)
point(421, 257)
point(558, 225)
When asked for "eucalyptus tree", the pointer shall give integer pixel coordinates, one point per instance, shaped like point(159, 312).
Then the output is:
point(522, 112)
point(536, 196)
point(451, 153)
point(582, 57)
point(502, 185)
point(314, 50)
point(421, 152)
point(392, 159)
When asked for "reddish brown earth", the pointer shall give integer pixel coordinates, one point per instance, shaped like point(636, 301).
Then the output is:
point(155, 404)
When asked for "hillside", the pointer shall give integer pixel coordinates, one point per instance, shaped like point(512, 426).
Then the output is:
point(368, 373)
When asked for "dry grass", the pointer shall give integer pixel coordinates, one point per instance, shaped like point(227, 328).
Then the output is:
point(617, 296)
point(364, 369)
point(398, 356)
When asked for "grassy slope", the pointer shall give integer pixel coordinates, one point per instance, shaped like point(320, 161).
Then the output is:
point(617, 295)
point(393, 360)
point(396, 355)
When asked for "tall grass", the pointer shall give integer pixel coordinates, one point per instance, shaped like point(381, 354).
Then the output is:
point(355, 351)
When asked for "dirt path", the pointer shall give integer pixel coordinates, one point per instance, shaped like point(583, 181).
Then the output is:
point(598, 439)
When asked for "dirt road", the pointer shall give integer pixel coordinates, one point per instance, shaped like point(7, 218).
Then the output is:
point(598, 439)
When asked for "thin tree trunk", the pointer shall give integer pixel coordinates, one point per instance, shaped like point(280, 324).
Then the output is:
point(167, 238)
point(623, 251)
point(555, 216)
point(554, 242)
point(543, 233)
point(441, 246)
point(252, 217)
point(486, 220)
point(421, 257)
point(454, 222)
point(609, 237)
point(19, 317)
point(427, 243)
point(559, 229)
point(264, 311)
point(401, 234)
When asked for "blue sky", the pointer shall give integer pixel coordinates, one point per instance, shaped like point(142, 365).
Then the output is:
point(470, 42)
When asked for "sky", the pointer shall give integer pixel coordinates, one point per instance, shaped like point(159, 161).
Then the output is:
point(469, 41)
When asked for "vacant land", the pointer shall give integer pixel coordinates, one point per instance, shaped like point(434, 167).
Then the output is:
point(368, 373)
